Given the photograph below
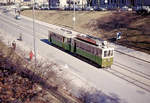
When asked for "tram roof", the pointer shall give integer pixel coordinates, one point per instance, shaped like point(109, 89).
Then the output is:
point(64, 32)
point(71, 34)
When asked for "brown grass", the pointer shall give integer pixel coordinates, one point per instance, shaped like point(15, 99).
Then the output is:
point(135, 29)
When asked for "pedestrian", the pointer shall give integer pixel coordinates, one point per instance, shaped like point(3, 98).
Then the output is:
point(14, 45)
point(30, 55)
point(118, 37)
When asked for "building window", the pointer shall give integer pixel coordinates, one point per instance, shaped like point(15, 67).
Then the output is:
point(111, 1)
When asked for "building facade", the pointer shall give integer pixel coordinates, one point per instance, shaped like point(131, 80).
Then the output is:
point(99, 3)
point(119, 3)
point(67, 3)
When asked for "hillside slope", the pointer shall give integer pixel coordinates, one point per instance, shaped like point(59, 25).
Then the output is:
point(19, 84)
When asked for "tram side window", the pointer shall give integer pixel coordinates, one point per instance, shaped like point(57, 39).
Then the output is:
point(95, 51)
point(68, 40)
point(98, 52)
point(92, 50)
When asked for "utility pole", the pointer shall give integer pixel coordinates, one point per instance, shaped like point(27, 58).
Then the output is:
point(99, 3)
point(74, 18)
point(82, 4)
point(34, 38)
point(69, 4)
point(118, 4)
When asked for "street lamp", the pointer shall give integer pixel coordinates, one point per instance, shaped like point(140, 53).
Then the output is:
point(106, 1)
point(74, 18)
point(34, 39)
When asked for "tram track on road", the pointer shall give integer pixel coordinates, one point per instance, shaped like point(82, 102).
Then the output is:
point(133, 56)
point(134, 77)
point(132, 70)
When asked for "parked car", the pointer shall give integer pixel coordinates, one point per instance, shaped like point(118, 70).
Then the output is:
point(78, 8)
point(18, 17)
point(103, 9)
point(25, 8)
point(54, 8)
point(44, 8)
point(124, 8)
point(143, 9)
point(100, 9)
point(89, 9)
point(66, 8)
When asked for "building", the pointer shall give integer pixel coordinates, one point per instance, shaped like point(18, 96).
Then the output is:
point(53, 3)
point(119, 3)
point(98, 3)
point(67, 3)
point(6, 1)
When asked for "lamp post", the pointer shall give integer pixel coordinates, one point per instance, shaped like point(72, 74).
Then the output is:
point(34, 39)
point(98, 3)
point(106, 1)
point(74, 18)
point(82, 4)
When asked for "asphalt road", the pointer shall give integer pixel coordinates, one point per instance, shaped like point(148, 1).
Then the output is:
point(107, 82)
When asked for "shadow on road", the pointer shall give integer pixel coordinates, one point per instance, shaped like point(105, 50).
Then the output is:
point(45, 41)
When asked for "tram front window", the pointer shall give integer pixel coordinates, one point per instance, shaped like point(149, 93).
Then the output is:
point(105, 53)
point(111, 52)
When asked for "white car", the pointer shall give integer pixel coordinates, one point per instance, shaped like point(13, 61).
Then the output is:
point(18, 17)
point(24, 8)
point(89, 9)
point(124, 8)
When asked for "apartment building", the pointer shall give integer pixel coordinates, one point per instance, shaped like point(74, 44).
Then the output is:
point(67, 3)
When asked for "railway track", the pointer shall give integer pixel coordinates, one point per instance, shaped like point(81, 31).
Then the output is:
point(132, 56)
point(132, 70)
point(130, 75)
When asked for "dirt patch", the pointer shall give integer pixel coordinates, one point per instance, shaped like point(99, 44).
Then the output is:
point(135, 28)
